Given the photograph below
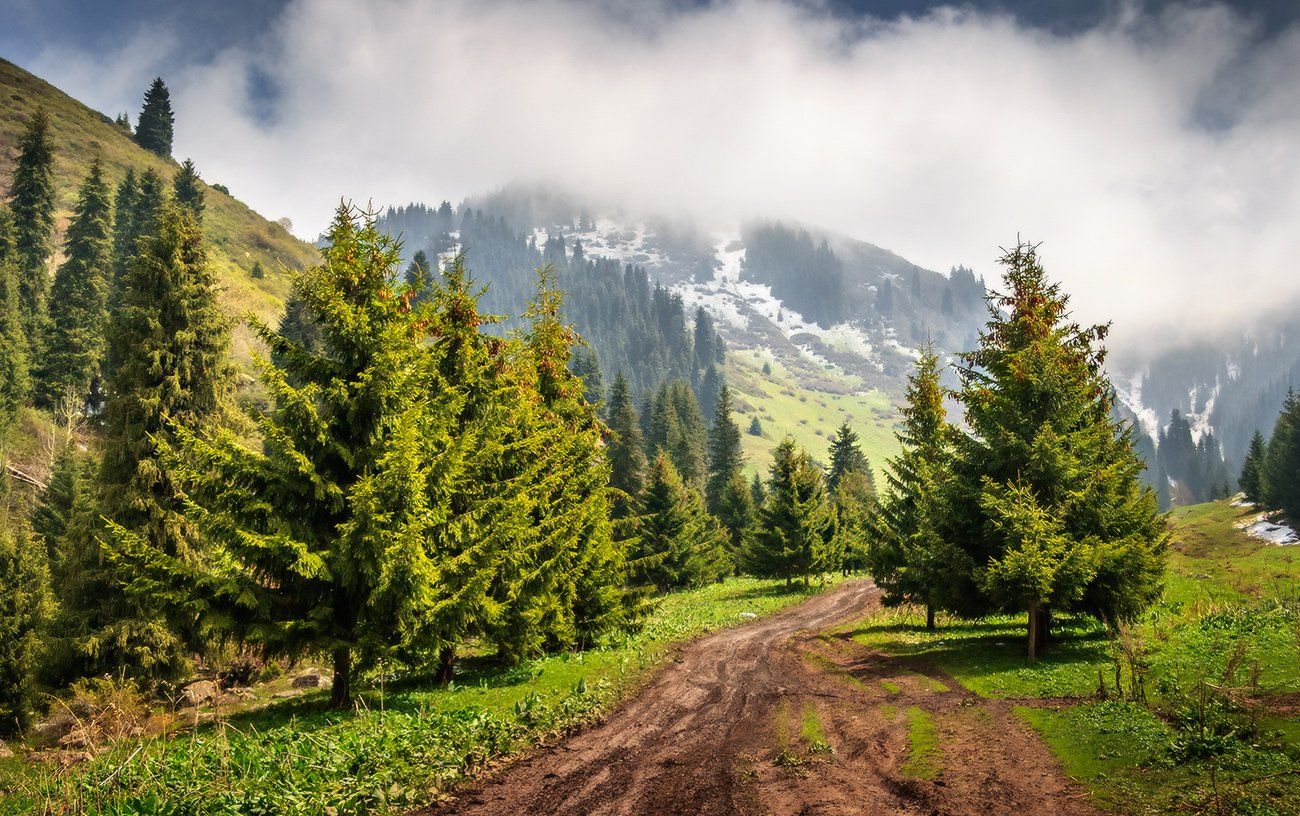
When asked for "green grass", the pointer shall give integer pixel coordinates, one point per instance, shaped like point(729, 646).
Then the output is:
point(397, 751)
point(786, 404)
point(237, 236)
point(1229, 616)
point(813, 733)
point(922, 745)
point(891, 688)
point(1120, 751)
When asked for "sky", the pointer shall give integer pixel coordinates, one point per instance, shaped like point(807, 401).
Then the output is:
point(1154, 148)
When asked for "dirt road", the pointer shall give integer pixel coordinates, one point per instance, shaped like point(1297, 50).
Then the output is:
point(725, 730)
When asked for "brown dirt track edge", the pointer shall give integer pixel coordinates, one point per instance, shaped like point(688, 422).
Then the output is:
point(718, 732)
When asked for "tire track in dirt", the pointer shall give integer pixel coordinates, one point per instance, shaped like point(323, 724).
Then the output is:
point(703, 737)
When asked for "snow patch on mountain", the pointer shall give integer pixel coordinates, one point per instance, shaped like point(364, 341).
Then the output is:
point(735, 303)
point(1274, 533)
point(1130, 396)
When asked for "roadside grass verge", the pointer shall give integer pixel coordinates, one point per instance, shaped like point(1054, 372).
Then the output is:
point(922, 745)
point(813, 733)
point(397, 751)
point(1184, 723)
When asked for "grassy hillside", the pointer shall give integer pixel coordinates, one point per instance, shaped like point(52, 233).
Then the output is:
point(237, 236)
point(785, 404)
point(1207, 720)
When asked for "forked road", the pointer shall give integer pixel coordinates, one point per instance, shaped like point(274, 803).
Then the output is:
point(706, 737)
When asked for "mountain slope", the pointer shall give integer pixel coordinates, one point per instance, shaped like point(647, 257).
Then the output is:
point(237, 236)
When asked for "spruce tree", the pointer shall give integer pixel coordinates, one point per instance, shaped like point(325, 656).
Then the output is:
point(154, 125)
point(677, 427)
point(725, 458)
point(1060, 519)
point(25, 609)
point(736, 513)
point(625, 450)
point(74, 341)
point(31, 202)
point(15, 381)
point(586, 367)
point(794, 534)
point(912, 556)
point(187, 190)
point(580, 566)
point(1281, 477)
point(679, 544)
point(170, 341)
point(151, 199)
point(1251, 480)
point(847, 457)
point(321, 532)
point(125, 201)
point(419, 276)
point(53, 511)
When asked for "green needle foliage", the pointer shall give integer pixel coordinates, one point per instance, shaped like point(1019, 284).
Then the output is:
point(74, 340)
point(418, 482)
point(31, 201)
point(25, 608)
point(1281, 486)
point(795, 533)
point(1057, 516)
point(154, 126)
point(725, 458)
point(912, 555)
point(675, 425)
point(1251, 480)
point(187, 190)
point(170, 341)
point(680, 544)
point(625, 449)
point(15, 379)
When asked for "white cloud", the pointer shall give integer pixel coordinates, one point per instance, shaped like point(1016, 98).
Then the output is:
point(939, 137)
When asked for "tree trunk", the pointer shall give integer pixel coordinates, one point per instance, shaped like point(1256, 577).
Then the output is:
point(341, 695)
point(1033, 633)
point(929, 617)
point(1044, 629)
point(446, 664)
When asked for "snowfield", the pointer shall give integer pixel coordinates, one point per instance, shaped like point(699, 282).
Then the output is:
point(1274, 533)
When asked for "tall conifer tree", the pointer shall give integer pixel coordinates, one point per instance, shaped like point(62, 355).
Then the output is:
point(154, 125)
point(74, 345)
point(322, 530)
point(187, 190)
point(170, 341)
point(912, 556)
point(625, 449)
point(1061, 519)
point(31, 202)
point(679, 544)
point(725, 458)
point(1281, 477)
point(794, 535)
point(1252, 469)
point(15, 380)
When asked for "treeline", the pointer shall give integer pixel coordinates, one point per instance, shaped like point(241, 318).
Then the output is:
point(1189, 470)
point(628, 323)
point(1270, 474)
point(681, 493)
point(125, 341)
point(1035, 505)
point(807, 276)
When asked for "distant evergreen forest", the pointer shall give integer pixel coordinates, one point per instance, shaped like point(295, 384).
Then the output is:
point(632, 325)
